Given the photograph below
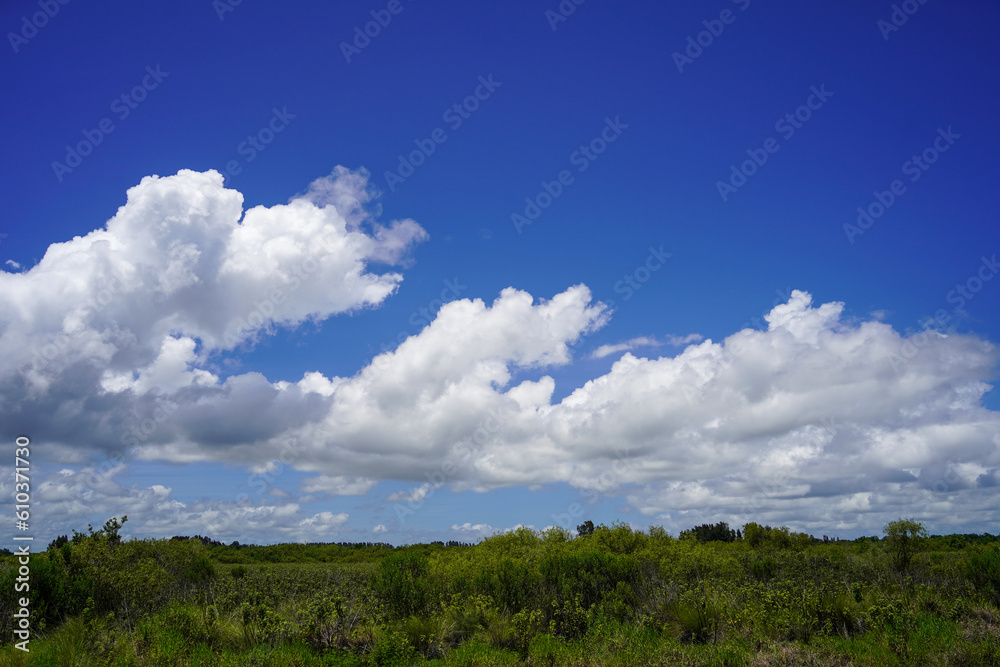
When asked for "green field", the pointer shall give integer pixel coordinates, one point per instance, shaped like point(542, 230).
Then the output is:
point(611, 597)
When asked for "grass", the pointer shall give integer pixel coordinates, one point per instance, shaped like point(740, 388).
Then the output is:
point(613, 599)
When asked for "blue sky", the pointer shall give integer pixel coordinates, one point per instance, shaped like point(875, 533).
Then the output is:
point(604, 193)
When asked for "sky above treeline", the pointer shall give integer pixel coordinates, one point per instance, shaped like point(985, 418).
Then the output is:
point(402, 271)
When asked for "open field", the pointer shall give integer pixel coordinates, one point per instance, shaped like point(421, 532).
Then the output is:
point(611, 597)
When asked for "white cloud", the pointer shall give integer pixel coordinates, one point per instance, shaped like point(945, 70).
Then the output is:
point(128, 314)
point(414, 495)
point(73, 498)
point(380, 529)
point(643, 341)
point(813, 419)
point(479, 528)
point(338, 485)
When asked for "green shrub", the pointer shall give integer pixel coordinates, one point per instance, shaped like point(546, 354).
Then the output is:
point(199, 571)
point(402, 583)
point(983, 572)
point(588, 575)
point(512, 584)
point(699, 617)
point(763, 569)
point(392, 650)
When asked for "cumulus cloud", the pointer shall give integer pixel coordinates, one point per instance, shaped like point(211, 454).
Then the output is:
point(111, 326)
point(107, 341)
point(73, 497)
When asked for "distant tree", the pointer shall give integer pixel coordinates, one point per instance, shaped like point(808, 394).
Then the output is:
point(58, 542)
point(109, 531)
point(586, 528)
point(706, 532)
point(757, 535)
point(904, 538)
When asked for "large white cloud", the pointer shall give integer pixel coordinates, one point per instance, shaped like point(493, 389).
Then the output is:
point(816, 421)
point(814, 415)
point(108, 322)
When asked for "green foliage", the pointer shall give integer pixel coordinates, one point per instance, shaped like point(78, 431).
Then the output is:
point(199, 571)
point(402, 583)
point(392, 650)
point(983, 571)
point(587, 575)
point(513, 584)
point(762, 537)
point(904, 538)
point(614, 597)
point(699, 617)
point(763, 569)
point(720, 532)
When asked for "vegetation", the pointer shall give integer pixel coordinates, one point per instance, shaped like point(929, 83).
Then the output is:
point(608, 595)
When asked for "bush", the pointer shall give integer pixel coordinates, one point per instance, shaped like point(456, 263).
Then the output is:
point(199, 571)
point(588, 575)
point(983, 572)
point(392, 650)
point(763, 569)
point(512, 584)
point(402, 583)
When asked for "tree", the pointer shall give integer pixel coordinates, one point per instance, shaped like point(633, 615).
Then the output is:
point(58, 542)
point(586, 528)
point(706, 532)
point(904, 538)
